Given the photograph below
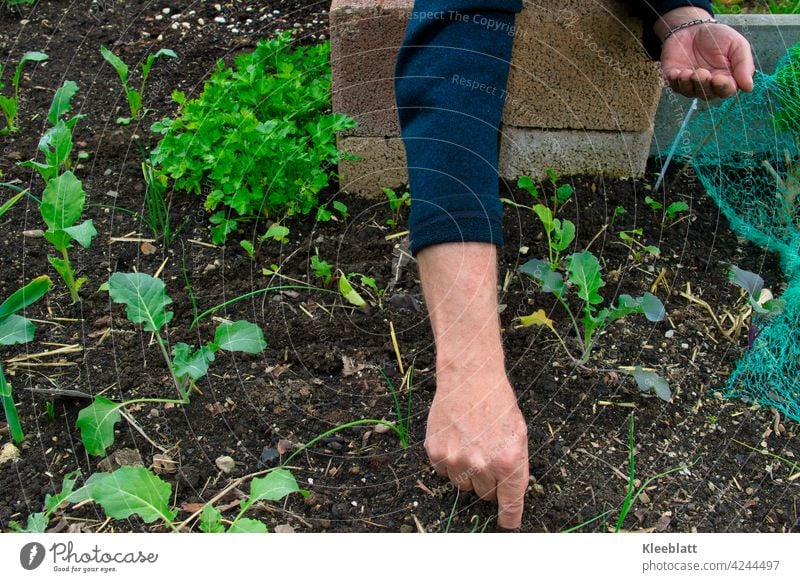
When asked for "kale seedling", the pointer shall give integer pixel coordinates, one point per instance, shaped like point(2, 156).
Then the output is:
point(583, 271)
point(562, 192)
point(10, 105)
point(324, 215)
point(761, 300)
point(62, 205)
point(134, 96)
point(16, 329)
point(322, 270)
point(638, 250)
point(396, 203)
point(560, 233)
point(130, 490)
point(56, 144)
point(146, 300)
point(618, 211)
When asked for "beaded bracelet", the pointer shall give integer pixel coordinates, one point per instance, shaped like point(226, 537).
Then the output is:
point(690, 23)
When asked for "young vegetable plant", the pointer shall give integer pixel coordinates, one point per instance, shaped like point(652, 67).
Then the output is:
point(133, 490)
point(324, 214)
point(134, 96)
point(584, 272)
point(16, 329)
point(62, 205)
point(562, 192)
point(639, 251)
point(674, 209)
point(618, 211)
point(57, 144)
point(322, 270)
point(396, 204)
point(145, 299)
point(10, 105)
point(761, 301)
point(368, 284)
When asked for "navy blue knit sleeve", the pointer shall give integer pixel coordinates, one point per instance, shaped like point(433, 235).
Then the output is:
point(652, 10)
point(450, 85)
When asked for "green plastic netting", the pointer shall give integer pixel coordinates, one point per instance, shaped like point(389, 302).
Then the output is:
point(746, 153)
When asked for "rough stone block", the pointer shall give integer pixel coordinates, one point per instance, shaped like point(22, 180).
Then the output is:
point(365, 38)
point(382, 165)
point(581, 65)
point(529, 152)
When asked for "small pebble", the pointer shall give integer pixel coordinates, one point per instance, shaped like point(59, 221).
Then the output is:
point(685, 346)
point(669, 333)
point(225, 464)
point(219, 19)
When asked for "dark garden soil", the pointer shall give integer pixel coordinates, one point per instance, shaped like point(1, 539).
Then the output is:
point(322, 365)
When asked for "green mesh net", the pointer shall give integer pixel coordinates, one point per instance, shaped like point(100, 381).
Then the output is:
point(746, 152)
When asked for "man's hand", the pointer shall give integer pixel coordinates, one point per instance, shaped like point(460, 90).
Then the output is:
point(704, 60)
point(477, 436)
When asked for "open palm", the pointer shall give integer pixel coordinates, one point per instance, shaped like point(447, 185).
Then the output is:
point(708, 61)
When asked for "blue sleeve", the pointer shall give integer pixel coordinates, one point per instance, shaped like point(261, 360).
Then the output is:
point(450, 85)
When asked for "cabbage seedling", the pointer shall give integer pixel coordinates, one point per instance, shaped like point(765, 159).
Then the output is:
point(16, 329)
point(583, 272)
point(56, 144)
point(10, 105)
point(146, 301)
point(134, 96)
point(63, 202)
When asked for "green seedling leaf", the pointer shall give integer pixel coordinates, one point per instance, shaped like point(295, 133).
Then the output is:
point(653, 204)
point(52, 502)
point(63, 201)
point(134, 490)
point(527, 184)
point(247, 525)
point(119, 66)
point(96, 423)
point(211, 520)
point(240, 336)
point(647, 380)
point(274, 486)
point(25, 296)
point(564, 193)
point(37, 523)
point(248, 248)
point(676, 208)
point(144, 296)
point(9, 204)
point(551, 281)
point(545, 216)
point(648, 304)
point(16, 329)
point(652, 250)
point(124, 120)
point(62, 102)
point(583, 270)
point(277, 232)
point(29, 57)
point(195, 365)
point(564, 234)
point(148, 64)
point(83, 233)
point(350, 294)
point(339, 207)
point(752, 283)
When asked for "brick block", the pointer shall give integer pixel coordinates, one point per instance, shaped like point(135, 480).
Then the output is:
point(581, 66)
point(523, 151)
point(365, 38)
point(382, 165)
point(529, 152)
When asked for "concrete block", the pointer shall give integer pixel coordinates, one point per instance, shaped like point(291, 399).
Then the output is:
point(523, 151)
point(382, 165)
point(769, 34)
point(529, 152)
point(581, 66)
point(365, 38)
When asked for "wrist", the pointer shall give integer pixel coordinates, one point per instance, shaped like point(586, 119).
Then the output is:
point(676, 17)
